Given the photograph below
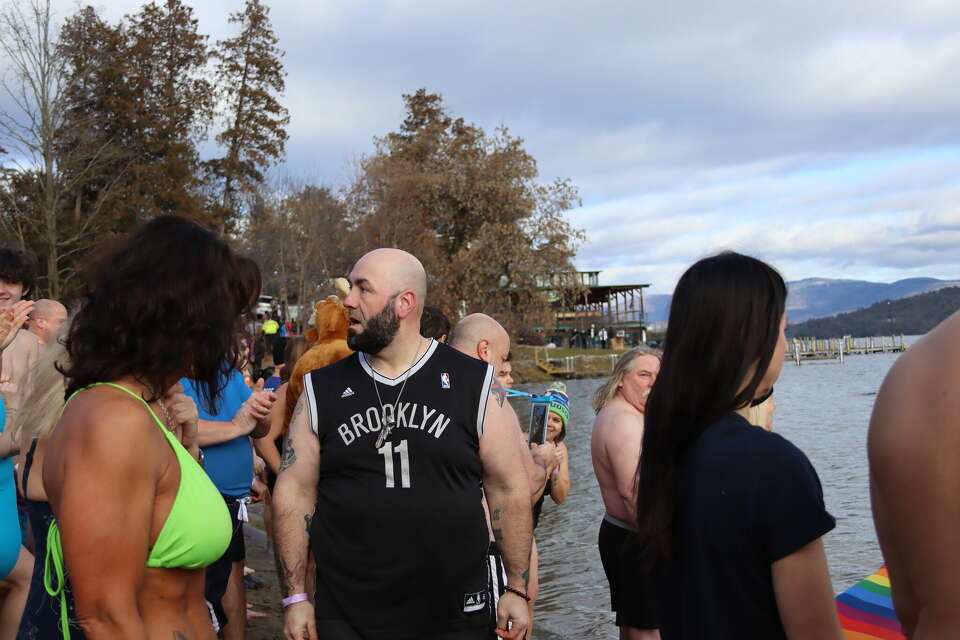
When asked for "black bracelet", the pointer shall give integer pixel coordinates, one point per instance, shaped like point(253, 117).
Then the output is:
point(517, 592)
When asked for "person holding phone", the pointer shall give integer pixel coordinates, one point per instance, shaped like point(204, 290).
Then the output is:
point(558, 481)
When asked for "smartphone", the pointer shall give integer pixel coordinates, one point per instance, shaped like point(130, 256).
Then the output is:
point(538, 421)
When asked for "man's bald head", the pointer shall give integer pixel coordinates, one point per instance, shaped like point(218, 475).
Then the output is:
point(480, 336)
point(387, 292)
point(46, 319)
point(395, 270)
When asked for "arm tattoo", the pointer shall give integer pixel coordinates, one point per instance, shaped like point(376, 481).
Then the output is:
point(498, 535)
point(495, 515)
point(289, 455)
point(308, 519)
point(298, 409)
point(286, 578)
point(498, 392)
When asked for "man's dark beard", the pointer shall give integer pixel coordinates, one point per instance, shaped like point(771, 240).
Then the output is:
point(380, 331)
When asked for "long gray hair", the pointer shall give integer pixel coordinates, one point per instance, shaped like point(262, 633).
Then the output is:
point(609, 388)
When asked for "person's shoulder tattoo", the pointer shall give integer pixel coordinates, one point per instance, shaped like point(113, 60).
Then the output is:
point(498, 392)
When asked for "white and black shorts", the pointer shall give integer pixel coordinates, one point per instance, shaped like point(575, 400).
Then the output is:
point(496, 579)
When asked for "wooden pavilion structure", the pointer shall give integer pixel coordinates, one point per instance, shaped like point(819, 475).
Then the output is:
point(617, 308)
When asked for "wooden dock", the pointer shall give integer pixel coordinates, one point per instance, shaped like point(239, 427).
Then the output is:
point(800, 349)
point(543, 362)
point(572, 366)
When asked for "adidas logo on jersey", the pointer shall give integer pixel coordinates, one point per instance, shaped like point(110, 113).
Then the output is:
point(347, 393)
point(474, 601)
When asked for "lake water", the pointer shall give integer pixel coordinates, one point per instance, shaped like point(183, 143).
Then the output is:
point(823, 407)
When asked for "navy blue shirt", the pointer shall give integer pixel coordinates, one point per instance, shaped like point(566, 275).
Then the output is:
point(229, 464)
point(745, 499)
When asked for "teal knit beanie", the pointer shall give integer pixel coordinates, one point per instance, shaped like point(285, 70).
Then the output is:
point(559, 401)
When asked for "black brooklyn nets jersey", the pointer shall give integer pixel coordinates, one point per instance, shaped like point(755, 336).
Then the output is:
point(399, 533)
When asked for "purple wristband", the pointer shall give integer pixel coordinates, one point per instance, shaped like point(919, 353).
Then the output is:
point(294, 599)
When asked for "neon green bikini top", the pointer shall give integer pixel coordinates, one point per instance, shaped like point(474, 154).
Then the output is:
point(197, 530)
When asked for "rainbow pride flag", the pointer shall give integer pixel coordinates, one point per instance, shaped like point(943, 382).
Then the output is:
point(866, 610)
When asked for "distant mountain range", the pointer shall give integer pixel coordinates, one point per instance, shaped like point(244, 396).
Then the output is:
point(914, 315)
point(821, 297)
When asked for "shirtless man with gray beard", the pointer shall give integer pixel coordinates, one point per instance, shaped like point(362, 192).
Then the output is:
point(615, 449)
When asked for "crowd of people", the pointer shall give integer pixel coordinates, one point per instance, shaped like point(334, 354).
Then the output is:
point(401, 492)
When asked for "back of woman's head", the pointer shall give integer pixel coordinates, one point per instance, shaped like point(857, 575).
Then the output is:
point(722, 333)
point(165, 302)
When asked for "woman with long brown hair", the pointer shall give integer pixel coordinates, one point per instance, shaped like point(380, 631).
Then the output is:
point(136, 517)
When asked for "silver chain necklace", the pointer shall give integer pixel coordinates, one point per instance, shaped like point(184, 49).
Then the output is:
point(165, 414)
point(390, 421)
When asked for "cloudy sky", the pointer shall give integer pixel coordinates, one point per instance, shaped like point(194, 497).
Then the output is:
point(820, 135)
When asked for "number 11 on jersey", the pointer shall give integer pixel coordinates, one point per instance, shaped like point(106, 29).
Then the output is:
point(387, 452)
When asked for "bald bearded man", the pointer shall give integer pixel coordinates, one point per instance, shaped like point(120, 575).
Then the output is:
point(384, 463)
point(914, 449)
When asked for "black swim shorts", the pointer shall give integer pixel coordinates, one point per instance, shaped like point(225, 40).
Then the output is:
point(632, 593)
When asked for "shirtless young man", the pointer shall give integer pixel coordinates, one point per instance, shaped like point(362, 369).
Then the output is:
point(915, 482)
point(615, 448)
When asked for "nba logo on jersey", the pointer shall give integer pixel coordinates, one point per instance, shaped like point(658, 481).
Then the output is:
point(445, 380)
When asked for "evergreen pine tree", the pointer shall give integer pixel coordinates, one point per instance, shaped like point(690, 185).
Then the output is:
point(250, 77)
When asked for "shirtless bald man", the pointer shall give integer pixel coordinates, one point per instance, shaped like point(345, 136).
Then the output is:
point(615, 448)
point(480, 336)
point(47, 318)
point(914, 448)
point(409, 431)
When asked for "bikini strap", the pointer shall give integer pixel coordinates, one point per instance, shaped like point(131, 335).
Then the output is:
point(125, 390)
point(54, 576)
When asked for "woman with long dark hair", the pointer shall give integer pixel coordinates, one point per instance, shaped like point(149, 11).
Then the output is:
point(731, 514)
point(136, 517)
